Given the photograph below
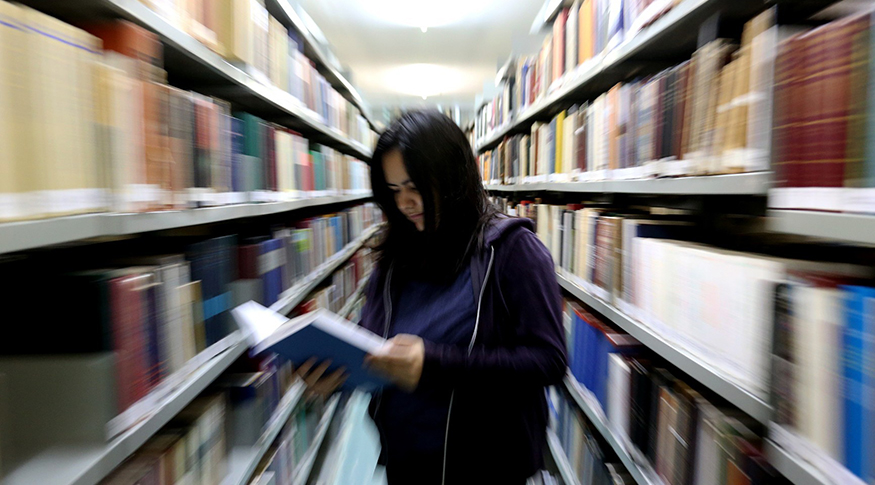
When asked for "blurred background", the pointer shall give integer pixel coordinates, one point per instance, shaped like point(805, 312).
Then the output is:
point(702, 172)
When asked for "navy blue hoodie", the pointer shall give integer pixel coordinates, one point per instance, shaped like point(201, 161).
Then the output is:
point(498, 416)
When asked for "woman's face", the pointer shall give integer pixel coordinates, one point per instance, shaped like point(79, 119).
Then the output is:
point(407, 197)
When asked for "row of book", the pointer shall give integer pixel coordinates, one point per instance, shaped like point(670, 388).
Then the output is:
point(156, 313)
point(248, 36)
point(585, 455)
point(684, 437)
point(581, 35)
point(824, 143)
point(343, 284)
point(284, 457)
point(193, 448)
point(709, 115)
point(654, 272)
point(92, 126)
point(783, 329)
point(822, 374)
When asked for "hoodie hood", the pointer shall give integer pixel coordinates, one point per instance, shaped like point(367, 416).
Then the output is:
point(503, 225)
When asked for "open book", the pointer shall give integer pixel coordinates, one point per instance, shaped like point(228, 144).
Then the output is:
point(320, 334)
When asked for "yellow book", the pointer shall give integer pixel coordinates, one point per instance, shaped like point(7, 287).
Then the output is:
point(560, 128)
point(279, 55)
point(585, 31)
point(235, 30)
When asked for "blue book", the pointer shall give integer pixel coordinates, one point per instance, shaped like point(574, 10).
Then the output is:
point(320, 334)
point(337, 227)
point(857, 350)
point(270, 268)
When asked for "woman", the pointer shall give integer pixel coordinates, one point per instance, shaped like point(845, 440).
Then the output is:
point(470, 302)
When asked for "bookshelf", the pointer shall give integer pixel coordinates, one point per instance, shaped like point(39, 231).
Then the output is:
point(669, 37)
point(701, 372)
point(283, 10)
point(242, 461)
point(853, 228)
point(198, 66)
point(88, 464)
point(753, 183)
point(18, 236)
point(561, 459)
point(635, 464)
point(296, 294)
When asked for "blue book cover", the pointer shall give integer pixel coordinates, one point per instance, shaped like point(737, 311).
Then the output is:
point(857, 391)
point(337, 226)
point(270, 268)
point(319, 334)
point(579, 343)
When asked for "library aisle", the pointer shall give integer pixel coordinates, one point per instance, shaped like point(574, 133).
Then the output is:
point(665, 210)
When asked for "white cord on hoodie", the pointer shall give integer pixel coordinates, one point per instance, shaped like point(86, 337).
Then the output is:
point(470, 348)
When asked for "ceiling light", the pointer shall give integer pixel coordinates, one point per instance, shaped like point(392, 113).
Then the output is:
point(424, 80)
point(426, 13)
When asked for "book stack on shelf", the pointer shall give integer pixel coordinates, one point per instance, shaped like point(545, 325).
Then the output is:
point(682, 435)
point(121, 139)
point(581, 36)
point(344, 285)
point(821, 388)
point(191, 449)
point(589, 463)
point(709, 115)
point(248, 36)
point(144, 327)
point(823, 130)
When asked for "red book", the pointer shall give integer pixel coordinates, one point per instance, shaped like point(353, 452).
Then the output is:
point(559, 44)
point(130, 40)
point(781, 116)
point(247, 261)
point(128, 339)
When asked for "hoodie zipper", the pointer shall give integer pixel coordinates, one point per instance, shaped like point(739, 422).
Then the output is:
point(387, 304)
point(470, 348)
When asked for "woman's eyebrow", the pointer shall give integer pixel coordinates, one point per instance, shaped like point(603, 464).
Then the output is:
point(408, 181)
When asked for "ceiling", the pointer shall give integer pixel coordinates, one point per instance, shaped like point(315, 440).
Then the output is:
point(381, 41)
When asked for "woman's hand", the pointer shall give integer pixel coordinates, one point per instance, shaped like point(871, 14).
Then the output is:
point(400, 360)
point(318, 384)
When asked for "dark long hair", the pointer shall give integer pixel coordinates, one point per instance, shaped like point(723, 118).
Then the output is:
point(440, 162)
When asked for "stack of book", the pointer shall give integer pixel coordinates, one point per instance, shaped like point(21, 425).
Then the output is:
point(155, 314)
point(254, 390)
point(245, 34)
point(582, 34)
point(709, 115)
point(286, 454)
point(682, 435)
point(585, 455)
point(120, 138)
point(823, 139)
point(344, 283)
point(649, 269)
point(191, 449)
point(822, 381)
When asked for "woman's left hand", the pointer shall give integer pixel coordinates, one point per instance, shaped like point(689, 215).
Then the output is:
point(400, 360)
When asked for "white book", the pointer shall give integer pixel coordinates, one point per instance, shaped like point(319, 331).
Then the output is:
point(619, 386)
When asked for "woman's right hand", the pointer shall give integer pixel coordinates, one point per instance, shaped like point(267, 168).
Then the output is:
point(319, 384)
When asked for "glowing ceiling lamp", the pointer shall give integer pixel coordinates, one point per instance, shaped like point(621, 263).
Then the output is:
point(424, 80)
point(426, 13)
